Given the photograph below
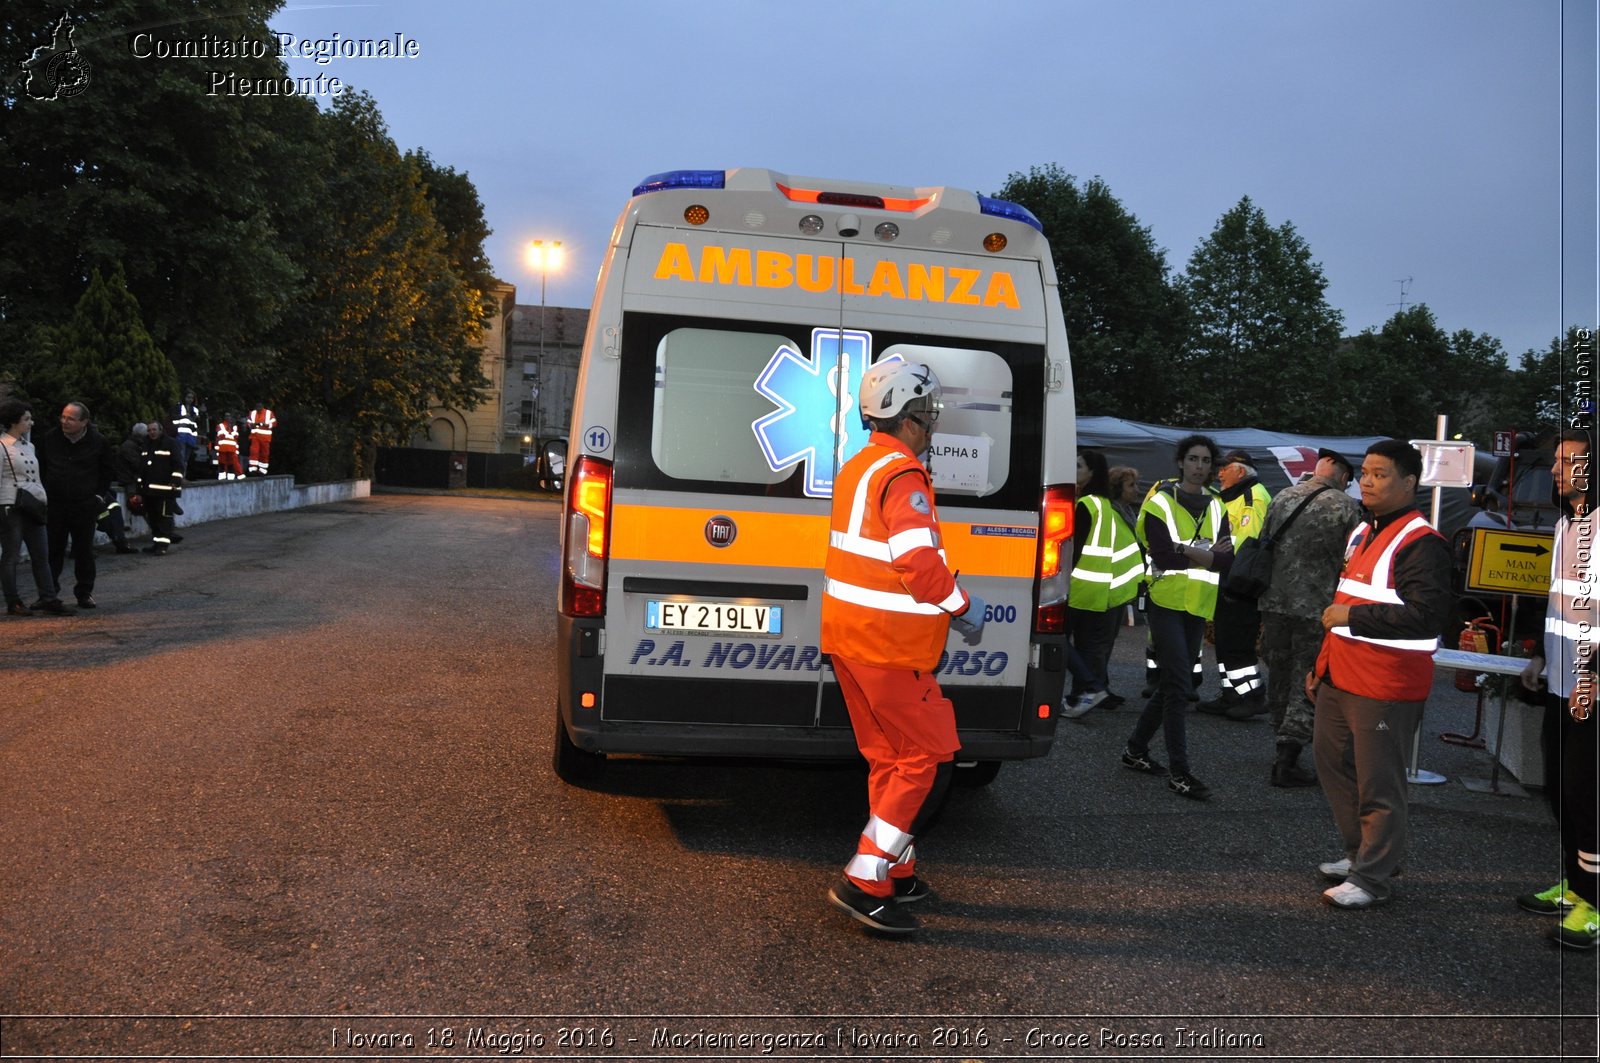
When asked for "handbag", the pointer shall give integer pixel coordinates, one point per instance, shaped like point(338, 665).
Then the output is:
point(28, 504)
point(1251, 572)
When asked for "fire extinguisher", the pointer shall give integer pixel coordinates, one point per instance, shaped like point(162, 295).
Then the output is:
point(1479, 636)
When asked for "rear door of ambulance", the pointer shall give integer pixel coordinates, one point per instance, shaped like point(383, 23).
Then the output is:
point(719, 531)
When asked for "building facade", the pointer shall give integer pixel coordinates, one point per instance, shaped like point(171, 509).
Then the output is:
point(530, 358)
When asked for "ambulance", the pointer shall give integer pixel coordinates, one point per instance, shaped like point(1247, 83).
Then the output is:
point(735, 314)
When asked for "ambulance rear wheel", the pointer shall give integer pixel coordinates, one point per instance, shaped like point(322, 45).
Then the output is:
point(976, 773)
point(573, 765)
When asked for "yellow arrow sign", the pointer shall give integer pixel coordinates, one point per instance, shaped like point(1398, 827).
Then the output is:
point(1510, 562)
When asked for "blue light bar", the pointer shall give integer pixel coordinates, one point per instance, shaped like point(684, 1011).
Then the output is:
point(660, 182)
point(1002, 208)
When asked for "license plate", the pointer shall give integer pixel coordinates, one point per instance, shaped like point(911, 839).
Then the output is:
point(717, 618)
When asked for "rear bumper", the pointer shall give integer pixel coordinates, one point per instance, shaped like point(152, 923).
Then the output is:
point(780, 720)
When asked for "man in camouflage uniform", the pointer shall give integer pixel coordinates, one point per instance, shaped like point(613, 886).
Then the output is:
point(1305, 570)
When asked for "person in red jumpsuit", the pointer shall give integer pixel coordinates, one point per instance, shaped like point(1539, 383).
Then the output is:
point(888, 602)
point(228, 450)
point(262, 422)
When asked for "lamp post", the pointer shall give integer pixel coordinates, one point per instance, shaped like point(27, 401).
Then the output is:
point(544, 258)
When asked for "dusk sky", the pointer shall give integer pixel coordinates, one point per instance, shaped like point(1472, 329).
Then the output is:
point(1447, 143)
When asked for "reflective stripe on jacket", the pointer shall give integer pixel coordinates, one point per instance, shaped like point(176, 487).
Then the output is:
point(869, 613)
point(185, 421)
point(1187, 590)
point(227, 438)
point(1570, 632)
point(262, 422)
point(1109, 569)
point(1381, 669)
point(1247, 514)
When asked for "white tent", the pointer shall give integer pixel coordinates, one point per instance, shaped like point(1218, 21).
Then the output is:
point(1280, 458)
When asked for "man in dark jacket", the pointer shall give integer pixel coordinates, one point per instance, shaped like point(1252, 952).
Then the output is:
point(160, 483)
point(75, 466)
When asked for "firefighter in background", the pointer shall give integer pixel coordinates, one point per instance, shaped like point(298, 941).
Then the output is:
point(887, 605)
point(262, 422)
point(160, 484)
point(1238, 621)
point(186, 430)
point(228, 467)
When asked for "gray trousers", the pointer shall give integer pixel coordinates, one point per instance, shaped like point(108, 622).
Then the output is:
point(1289, 646)
point(1361, 749)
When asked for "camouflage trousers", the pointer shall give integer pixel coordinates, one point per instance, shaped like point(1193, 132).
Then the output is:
point(1289, 647)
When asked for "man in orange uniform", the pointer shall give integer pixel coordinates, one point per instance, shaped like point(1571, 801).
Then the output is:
point(887, 607)
point(262, 422)
point(228, 450)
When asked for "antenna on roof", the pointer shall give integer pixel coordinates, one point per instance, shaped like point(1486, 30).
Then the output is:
point(1403, 282)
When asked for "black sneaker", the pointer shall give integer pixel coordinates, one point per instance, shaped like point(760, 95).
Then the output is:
point(1142, 762)
point(1217, 706)
point(1186, 785)
point(55, 606)
point(1113, 701)
point(910, 890)
point(880, 913)
point(86, 601)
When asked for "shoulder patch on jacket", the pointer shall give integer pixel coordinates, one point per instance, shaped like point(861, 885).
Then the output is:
point(919, 502)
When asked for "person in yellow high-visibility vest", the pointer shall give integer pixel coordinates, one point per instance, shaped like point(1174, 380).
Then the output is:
point(1238, 621)
point(1107, 568)
point(1184, 529)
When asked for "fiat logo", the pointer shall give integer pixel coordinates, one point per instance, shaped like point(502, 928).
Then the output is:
point(721, 531)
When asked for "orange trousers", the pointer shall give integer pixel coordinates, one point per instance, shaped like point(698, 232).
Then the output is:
point(906, 729)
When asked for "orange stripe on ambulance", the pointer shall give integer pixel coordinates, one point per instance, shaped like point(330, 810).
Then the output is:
point(747, 268)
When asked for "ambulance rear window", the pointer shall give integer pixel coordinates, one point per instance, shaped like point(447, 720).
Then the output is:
point(704, 405)
point(702, 409)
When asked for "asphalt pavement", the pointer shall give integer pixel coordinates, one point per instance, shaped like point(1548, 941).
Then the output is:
point(286, 794)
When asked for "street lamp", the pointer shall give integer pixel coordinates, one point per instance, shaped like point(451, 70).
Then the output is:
point(544, 258)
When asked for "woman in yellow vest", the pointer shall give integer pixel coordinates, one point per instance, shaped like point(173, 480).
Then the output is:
point(1184, 529)
point(1107, 565)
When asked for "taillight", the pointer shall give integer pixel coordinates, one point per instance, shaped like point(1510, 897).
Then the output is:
point(583, 581)
point(1055, 555)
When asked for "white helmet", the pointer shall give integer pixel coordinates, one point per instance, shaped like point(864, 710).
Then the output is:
point(896, 387)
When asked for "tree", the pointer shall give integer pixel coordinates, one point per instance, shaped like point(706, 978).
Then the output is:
point(1260, 327)
point(455, 204)
point(387, 326)
point(108, 361)
point(1123, 317)
point(147, 170)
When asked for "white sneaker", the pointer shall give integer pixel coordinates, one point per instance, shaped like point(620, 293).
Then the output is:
point(1337, 871)
point(1349, 895)
point(1071, 710)
point(1090, 700)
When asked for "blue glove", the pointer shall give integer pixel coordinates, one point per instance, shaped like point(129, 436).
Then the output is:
point(969, 622)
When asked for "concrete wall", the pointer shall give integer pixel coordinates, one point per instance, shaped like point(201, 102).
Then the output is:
point(207, 500)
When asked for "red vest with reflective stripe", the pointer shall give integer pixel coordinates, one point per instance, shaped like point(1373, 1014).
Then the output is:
point(1381, 669)
point(227, 437)
point(867, 616)
point(262, 422)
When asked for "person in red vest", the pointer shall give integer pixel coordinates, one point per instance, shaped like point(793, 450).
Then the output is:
point(262, 422)
point(1374, 672)
point(228, 450)
point(888, 601)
